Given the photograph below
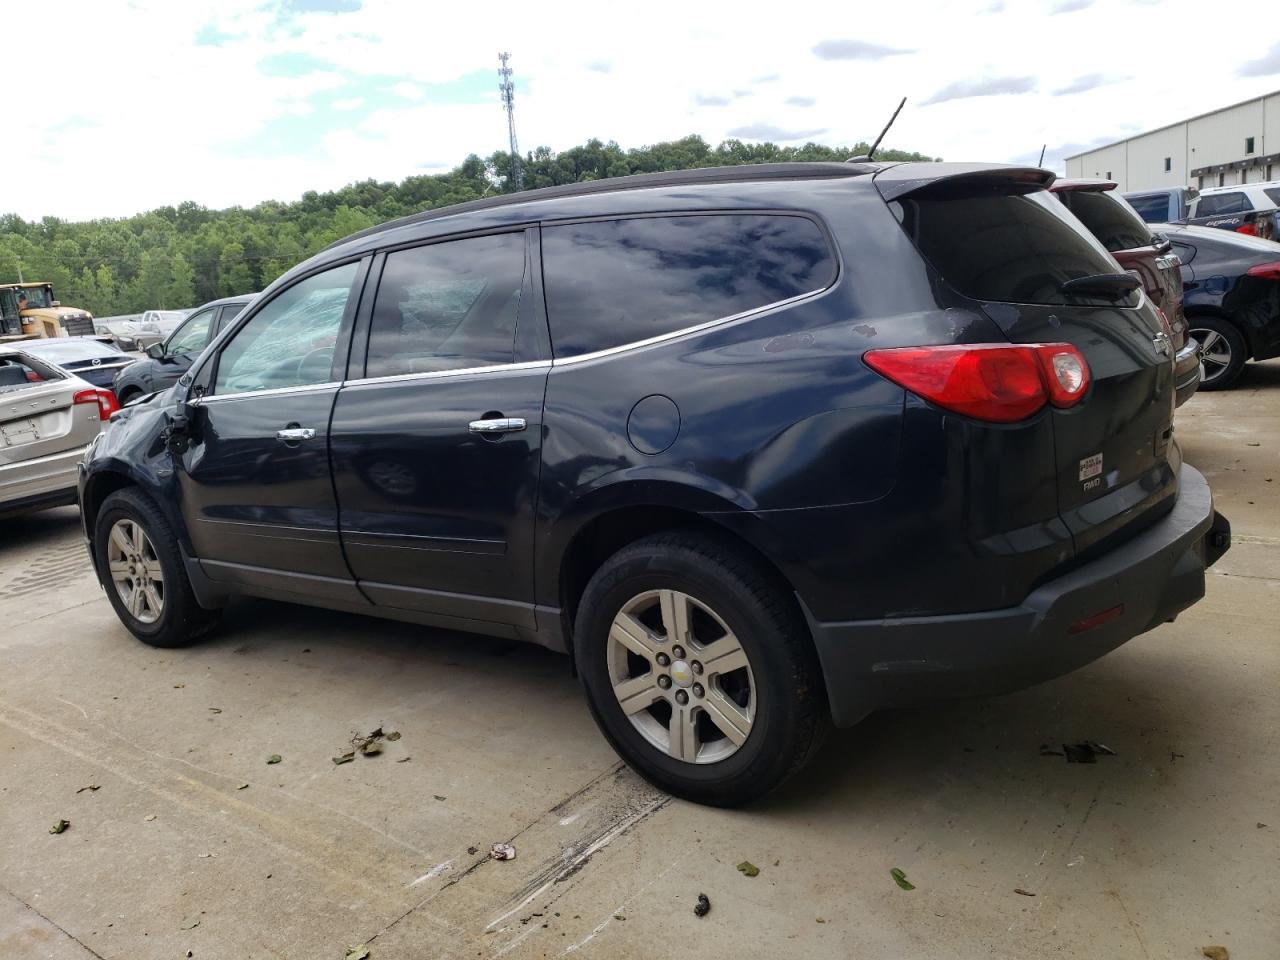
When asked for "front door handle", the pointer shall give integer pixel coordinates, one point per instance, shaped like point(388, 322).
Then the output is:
point(294, 434)
point(498, 425)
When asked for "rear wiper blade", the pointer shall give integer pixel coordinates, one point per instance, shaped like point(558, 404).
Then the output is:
point(1117, 286)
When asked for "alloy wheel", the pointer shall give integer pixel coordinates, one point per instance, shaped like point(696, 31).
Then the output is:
point(681, 676)
point(135, 571)
point(1215, 353)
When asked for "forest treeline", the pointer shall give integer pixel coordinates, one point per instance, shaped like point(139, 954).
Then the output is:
point(175, 257)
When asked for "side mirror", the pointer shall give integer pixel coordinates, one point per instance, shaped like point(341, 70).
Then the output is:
point(176, 438)
point(156, 351)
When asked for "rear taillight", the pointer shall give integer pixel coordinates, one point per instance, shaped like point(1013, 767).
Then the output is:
point(105, 399)
point(1248, 229)
point(1267, 271)
point(1001, 383)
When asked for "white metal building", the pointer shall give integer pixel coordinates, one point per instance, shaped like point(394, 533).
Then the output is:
point(1236, 144)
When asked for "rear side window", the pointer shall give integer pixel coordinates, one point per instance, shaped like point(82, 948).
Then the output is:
point(1151, 209)
point(1273, 194)
point(1009, 247)
point(1108, 218)
point(1219, 203)
point(447, 306)
point(614, 282)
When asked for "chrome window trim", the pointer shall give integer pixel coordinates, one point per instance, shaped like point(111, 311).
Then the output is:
point(273, 392)
point(444, 374)
point(696, 328)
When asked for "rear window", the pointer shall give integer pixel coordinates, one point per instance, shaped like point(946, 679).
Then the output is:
point(1116, 225)
point(1216, 204)
point(1151, 209)
point(990, 244)
point(19, 371)
point(69, 349)
point(614, 282)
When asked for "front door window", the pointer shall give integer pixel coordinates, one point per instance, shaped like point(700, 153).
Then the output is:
point(290, 342)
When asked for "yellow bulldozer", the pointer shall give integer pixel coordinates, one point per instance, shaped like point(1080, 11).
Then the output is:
point(30, 310)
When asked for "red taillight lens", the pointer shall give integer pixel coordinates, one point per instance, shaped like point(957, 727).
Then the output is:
point(1267, 271)
point(995, 382)
point(105, 399)
point(1248, 229)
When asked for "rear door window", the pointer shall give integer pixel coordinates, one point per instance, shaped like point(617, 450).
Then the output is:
point(447, 306)
point(1108, 218)
point(1273, 194)
point(990, 244)
point(1215, 204)
point(614, 282)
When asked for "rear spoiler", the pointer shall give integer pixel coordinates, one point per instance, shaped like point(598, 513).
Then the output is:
point(898, 181)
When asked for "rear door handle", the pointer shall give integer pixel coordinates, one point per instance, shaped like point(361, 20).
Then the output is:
point(294, 434)
point(498, 425)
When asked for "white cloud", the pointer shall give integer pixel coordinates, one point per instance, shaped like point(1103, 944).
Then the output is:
point(165, 120)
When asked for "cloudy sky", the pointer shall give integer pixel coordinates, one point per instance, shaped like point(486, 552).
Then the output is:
point(124, 106)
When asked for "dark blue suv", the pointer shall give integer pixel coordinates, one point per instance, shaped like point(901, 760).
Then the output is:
point(762, 448)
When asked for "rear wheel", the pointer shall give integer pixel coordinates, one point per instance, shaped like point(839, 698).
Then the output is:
point(145, 579)
point(1222, 351)
point(129, 395)
point(699, 669)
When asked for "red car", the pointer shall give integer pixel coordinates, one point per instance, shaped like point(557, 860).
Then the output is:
point(1117, 226)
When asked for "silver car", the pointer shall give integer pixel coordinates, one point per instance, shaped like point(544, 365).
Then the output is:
point(47, 418)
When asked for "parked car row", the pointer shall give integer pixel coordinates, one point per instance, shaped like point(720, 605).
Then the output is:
point(1252, 209)
point(763, 448)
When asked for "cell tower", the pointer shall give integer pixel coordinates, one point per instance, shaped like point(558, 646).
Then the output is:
point(508, 89)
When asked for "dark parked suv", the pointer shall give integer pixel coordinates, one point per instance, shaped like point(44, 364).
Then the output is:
point(166, 362)
point(761, 447)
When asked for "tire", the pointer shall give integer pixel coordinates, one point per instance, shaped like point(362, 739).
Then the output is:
point(179, 620)
point(781, 713)
point(1222, 341)
point(129, 396)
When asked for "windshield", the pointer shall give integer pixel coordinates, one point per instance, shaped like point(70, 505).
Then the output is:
point(37, 297)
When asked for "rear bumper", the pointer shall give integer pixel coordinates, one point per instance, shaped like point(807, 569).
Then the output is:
point(28, 481)
point(1186, 372)
point(1138, 585)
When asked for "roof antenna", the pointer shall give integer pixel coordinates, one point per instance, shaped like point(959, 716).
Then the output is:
point(1041, 163)
point(870, 154)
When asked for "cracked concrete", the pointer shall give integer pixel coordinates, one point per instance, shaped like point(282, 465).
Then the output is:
point(1152, 853)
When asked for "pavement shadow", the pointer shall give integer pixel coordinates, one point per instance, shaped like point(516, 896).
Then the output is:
point(41, 529)
point(911, 757)
point(1264, 375)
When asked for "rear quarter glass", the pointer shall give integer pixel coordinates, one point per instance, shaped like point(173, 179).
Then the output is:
point(619, 281)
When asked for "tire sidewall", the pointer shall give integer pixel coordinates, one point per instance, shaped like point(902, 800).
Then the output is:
point(120, 508)
point(637, 573)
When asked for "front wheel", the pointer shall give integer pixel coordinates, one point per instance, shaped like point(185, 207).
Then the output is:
point(1222, 351)
point(145, 580)
point(699, 669)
